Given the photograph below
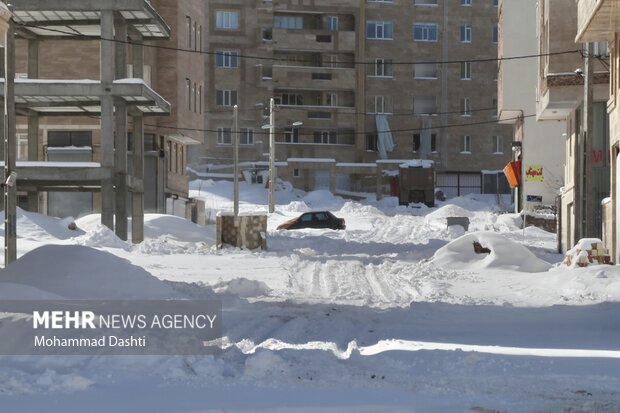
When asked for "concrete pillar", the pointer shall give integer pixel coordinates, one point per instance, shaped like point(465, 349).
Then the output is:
point(332, 178)
point(107, 116)
point(137, 195)
point(33, 155)
point(10, 148)
point(379, 194)
point(120, 135)
point(33, 120)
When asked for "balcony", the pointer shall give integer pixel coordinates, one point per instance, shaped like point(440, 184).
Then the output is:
point(317, 116)
point(314, 40)
point(597, 20)
point(313, 78)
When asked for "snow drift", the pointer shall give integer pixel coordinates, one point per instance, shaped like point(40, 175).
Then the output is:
point(504, 254)
point(78, 272)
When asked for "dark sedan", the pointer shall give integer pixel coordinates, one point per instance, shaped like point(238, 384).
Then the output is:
point(318, 219)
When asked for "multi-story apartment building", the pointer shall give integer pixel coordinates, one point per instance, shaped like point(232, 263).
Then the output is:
point(538, 145)
point(172, 65)
point(597, 21)
point(358, 85)
point(561, 96)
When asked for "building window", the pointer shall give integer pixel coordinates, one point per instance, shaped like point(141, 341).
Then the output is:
point(291, 99)
point(424, 105)
point(199, 98)
point(495, 3)
point(466, 33)
point(465, 2)
point(417, 141)
point(226, 98)
point(288, 22)
point(331, 99)
point(466, 70)
point(465, 107)
point(379, 104)
point(326, 137)
point(380, 1)
point(425, 2)
point(296, 173)
point(291, 135)
point(371, 143)
point(247, 136)
point(332, 23)
point(224, 136)
point(494, 106)
point(495, 35)
point(227, 58)
point(383, 68)
point(498, 145)
point(227, 20)
point(425, 70)
point(425, 32)
point(379, 30)
point(466, 148)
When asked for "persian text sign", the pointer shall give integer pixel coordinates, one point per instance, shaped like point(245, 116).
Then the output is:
point(534, 173)
point(93, 327)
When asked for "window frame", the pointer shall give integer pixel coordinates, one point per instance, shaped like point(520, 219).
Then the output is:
point(224, 134)
point(465, 33)
point(429, 31)
point(225, 20)
point(226, 97)
point(229, 59)
point(383, 24)
point(466, 144)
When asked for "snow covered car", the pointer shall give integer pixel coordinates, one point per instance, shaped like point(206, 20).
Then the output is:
point(317, 219)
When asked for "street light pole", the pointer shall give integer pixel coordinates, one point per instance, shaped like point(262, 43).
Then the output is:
point(272, 156)
point(236, 160)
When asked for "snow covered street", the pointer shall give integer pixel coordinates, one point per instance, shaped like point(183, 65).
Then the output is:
point(393, 314)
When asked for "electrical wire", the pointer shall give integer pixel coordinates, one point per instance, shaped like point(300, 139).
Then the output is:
point(276, 59)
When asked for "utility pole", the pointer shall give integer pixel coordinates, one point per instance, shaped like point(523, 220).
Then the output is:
point(272, 156)
point(588, 212)
point(236, 159)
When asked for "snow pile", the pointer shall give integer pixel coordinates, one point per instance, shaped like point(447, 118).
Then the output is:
point(40, 227)
point(176, 228)
point(242, 287)
point(355, 208)
point(323, 199)
point(79, 272)
point(509, 222)
point(504, 254)
point(101, 236)
point(438, 217)
point(295, 206)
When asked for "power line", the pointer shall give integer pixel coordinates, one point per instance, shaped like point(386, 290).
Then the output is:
point(345, 112)
point(276, 59)
point(438, 127)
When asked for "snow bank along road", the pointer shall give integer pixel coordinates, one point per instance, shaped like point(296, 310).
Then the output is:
point(371, 319)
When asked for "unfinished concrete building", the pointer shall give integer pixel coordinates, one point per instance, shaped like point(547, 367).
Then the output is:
point(370, 83)
point(74, 127)
point(172, 65)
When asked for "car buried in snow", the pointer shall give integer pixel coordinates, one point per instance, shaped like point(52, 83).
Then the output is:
point(316, 219)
